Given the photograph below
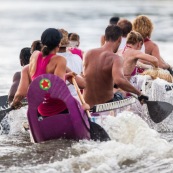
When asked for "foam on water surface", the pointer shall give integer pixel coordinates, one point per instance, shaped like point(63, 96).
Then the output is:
point(135, 147)
point(132, 142)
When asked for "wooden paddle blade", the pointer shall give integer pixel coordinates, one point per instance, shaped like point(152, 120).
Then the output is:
point(158, 110)
point(97, 132)
point(4, 112)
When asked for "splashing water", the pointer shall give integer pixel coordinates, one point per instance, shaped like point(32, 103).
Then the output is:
point(133, 142)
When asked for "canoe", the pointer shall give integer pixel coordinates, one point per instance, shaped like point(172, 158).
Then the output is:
point(101, 111)
point(73, 125)
point(114, 105)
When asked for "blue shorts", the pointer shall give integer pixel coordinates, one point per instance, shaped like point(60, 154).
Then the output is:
point(117, 96)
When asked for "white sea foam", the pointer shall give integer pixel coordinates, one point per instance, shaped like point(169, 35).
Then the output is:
point(16, 119)
point(134, 147)
point(132, 141)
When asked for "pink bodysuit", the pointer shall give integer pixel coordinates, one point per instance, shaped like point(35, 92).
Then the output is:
point(49, 106)
point(76, 51)
point(136, 69)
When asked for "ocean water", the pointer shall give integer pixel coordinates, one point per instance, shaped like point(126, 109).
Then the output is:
point(135, 147)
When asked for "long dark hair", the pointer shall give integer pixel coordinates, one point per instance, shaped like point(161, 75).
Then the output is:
point(50, 39)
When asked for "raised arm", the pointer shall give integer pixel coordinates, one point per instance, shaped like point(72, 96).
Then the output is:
point(146, 57)
point(119, 78)
point(144, 66)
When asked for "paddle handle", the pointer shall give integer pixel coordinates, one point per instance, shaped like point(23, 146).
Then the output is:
point(80, 95)
point(135, 96)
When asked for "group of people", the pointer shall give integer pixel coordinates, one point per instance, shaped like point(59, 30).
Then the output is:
point(102, 73)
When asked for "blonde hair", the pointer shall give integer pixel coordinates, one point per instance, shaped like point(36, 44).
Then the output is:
point(134, 37)
point(64, 41)
point(159, 73)
point(143, 25)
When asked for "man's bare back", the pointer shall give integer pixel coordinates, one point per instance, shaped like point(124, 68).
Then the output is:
point(103, 68)
point(98, 74)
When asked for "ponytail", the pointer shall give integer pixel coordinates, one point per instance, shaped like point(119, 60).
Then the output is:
point(45, 50)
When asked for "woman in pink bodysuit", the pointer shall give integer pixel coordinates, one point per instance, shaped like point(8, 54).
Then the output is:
point(44, 62)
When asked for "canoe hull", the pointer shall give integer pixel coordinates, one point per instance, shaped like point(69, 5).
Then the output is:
point(73, 125)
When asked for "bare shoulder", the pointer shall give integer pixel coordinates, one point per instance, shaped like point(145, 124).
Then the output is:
point(34, 54)
point(95, 50)
point(25, 68)
point(16, 76)
point(58, 59)
point(155, 46)
point(90, 54)
point(111, 54)
point(112, 57)
point(136, 53)
point(150, 45)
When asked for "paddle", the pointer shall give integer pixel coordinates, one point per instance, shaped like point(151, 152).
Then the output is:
point(96, 131)
point(157, 110)
point(4, 101)
point(5, 111)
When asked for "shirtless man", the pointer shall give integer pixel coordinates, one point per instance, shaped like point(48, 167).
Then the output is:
point(103, 68)
point(132, 54)
point(144, 26)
